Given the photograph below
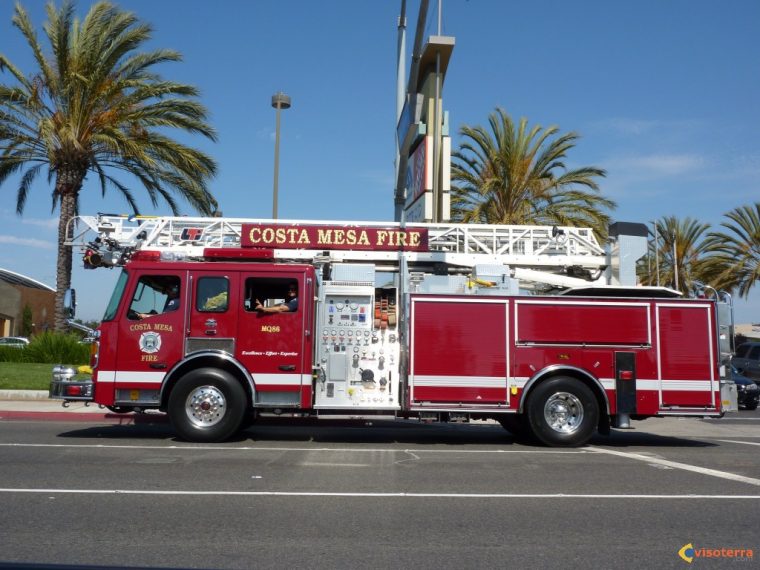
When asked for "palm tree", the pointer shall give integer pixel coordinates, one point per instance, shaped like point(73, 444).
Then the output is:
point(736, 252)
point(682, 253)
point(95, 105)
point(517, 175)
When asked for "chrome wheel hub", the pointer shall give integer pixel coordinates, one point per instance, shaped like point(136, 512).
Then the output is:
point(563, 412)
point(205, 406)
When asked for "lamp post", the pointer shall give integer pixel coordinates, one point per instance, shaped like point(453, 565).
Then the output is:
point(279, 101)
point(656, 252)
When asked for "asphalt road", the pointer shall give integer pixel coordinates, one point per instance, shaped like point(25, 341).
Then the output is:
point(386, 495)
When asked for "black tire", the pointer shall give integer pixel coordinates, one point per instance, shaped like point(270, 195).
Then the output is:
point(207, 405)
point(562, 412)
point(515, 424)
point(751, 407)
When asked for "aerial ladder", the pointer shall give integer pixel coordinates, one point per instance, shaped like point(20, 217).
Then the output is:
point(541, 258)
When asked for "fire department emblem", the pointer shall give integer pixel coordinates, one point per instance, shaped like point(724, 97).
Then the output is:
point(150, 342)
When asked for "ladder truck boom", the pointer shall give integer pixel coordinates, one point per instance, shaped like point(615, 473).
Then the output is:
point(567, 256)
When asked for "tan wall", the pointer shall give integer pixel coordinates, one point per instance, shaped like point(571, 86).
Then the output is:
point(748, 330)
point(42, 303)
point(10, 309)
point(13, 298)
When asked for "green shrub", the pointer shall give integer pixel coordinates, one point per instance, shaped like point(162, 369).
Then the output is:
point(12, 354)
point(49, 348)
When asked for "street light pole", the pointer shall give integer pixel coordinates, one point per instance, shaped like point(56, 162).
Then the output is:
point(656, 252)
point(279, 101)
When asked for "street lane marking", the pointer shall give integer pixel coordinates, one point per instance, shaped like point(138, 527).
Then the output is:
point(311, 464)
point(737, 441)
point(677, 465)
point(373, 495)
point(321, 449)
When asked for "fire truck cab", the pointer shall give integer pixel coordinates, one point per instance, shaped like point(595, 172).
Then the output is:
point(216, 321)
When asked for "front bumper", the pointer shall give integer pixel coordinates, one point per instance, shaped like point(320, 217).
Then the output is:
point(68, 385)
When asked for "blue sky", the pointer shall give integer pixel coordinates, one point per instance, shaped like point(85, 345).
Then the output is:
point(664, 95)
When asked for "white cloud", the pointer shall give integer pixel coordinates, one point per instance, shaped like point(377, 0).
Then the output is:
point(27, 242)
point(628, 126)
point(645, 166)
point(50, 223)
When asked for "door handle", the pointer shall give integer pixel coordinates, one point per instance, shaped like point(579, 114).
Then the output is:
point(158, 365)
point(288, 367)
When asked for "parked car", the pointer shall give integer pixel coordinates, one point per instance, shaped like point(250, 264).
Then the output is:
point(14, 341)
point(747, 360)
point(747, 391)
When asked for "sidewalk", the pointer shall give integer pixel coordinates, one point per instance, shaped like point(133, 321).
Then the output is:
point(35, 405)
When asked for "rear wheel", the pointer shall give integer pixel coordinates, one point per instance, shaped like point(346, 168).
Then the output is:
point(562, 412)
point(207, 405)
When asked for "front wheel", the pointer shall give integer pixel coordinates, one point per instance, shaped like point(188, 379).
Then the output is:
point(207, 405)
point(562, 412)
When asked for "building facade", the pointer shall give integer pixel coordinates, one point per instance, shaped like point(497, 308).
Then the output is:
point(17, 292)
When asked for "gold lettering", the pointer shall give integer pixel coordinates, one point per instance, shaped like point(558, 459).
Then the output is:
point(292, 232)
point(340, 237)
point(163, 327)
point(363, 239)
point(414, 239)
point(270, 328)
point(255, 235)
point(304, 238)
point(382, 237)
point(351, 237)
point(324, 236)
point(140, 327)
point(149, 358)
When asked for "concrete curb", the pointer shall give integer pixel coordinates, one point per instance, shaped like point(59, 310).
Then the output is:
point(23, 394)
point(90, 416)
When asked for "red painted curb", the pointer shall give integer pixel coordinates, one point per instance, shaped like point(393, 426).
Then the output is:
point(92, 417)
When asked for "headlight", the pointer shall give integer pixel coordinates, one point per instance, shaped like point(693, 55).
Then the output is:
point(63, 373)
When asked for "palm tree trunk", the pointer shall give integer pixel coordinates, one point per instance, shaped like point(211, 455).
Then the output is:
point(67, 187)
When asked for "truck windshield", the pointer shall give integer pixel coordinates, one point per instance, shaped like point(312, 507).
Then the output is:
point(113, 304)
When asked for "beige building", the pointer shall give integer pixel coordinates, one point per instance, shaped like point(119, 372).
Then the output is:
point(18, 291)
point(748, 330)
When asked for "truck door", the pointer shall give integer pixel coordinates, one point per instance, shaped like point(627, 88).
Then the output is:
point(459, 349)
point(150, 336)
point(213, 311)
point(687, 355)
point(275, 346)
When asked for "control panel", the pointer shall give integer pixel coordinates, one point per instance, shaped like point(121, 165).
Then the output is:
point(358, 348)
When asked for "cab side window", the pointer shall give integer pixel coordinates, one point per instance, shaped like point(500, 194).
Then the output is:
point(212, 295)
point(271, 292)
point(154, 295)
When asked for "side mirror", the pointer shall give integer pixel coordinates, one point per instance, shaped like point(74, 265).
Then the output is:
point(70, 303)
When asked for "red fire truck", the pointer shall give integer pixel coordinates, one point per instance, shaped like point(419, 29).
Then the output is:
point(216, 320)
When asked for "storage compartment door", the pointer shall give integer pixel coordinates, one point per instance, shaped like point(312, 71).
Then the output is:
point(458, 351)
point(686, 356)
